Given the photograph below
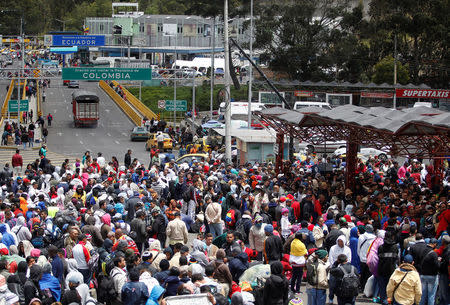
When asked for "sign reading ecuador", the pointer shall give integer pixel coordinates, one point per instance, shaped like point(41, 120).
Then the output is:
point(98, 74)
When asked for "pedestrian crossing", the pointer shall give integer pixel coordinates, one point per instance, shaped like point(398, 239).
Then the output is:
point(30, 155)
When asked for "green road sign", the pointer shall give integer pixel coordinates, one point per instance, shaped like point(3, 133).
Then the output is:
point(13, 105)
point(181, 105)
point(106, 73)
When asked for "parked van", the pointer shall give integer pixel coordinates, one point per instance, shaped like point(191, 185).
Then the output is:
point(240, 108)
point(304, 104)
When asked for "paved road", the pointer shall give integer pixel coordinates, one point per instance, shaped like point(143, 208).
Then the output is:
point(111, 136)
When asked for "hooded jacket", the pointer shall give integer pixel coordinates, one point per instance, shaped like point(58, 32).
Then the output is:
point(31, 287)
point(238, 265)
point(48, 281)
point(156, 293)
point(409, 291)
point(21, 230)
point(198, 252)
point(257, 237)
point(273, 248)
point(354, 248)
point(277, 286)
point(171, 283)
point(335, 251)
point(73, 272)
point(7, 239)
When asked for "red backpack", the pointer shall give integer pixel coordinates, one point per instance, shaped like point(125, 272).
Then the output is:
point(230, 218)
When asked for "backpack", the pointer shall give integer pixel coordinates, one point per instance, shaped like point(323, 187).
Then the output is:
point(349, 284)
point(47, 297)
point(93, 261)
point(230, 218)
point(312, 276)
point(106, 289)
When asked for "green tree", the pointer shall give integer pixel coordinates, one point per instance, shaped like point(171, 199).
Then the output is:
point(384, 72)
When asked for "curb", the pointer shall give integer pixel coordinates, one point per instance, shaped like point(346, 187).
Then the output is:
point(17, 147)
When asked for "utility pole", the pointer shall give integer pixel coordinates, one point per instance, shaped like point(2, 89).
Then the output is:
point(129, 51)
point(227, 86)
point(395, 71)
point(213, 33)
point(20, 70)
point(250, 70)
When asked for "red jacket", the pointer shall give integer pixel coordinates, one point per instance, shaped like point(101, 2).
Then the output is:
point(17, 160)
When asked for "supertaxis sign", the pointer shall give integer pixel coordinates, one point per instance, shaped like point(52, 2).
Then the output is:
point(78, 40)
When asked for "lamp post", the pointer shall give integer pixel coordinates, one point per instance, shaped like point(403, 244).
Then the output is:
point(227, 86)
point(250, 70)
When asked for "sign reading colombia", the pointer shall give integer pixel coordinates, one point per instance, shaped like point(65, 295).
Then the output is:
point(423, 93)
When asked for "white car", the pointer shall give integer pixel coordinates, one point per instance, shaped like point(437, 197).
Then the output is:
point(324, 147)
point(366, 152)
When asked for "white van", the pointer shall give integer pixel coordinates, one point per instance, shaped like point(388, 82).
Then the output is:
point(304, 104)
point(240, 108)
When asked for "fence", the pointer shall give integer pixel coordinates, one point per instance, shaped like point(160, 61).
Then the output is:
point(7, 98)
point(133, 115)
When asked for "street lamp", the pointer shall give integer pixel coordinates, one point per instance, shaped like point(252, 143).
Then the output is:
point(63, 23)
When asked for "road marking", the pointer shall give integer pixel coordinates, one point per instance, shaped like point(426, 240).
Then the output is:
point(124, 134)
point(117, 142)
point(81, 142)
point(54, 111)
point(76, 134)
point(92, 134)
point(108, 134)
point(51, 92)
point(108, 110)
point(59, 134)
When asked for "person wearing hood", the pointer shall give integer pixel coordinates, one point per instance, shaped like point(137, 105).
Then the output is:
point(335, 251)
point(276, 287)
point(257, 236)
point(73, 272)
point(94, 231)
point(364, 242)
point(172, 282)
point(7, 238)
point(198, 252)
point(31, 288)
point(21, 230)
point(156, 295)
point(49, 281)
point(6, 295)
point(238, 264)
point(340, 248)
point(354, 235)
point(134, 292)
point(387, 262)
point(148, 280)
point(404, 286)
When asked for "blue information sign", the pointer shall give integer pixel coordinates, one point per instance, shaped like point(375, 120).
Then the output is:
point(78, 40)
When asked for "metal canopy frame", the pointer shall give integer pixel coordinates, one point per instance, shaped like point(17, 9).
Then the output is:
point(418, 133)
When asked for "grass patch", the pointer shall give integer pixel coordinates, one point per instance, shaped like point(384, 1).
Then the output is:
point(151, 95)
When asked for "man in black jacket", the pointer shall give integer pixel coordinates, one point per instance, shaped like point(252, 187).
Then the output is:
point(388, 261)
point(273, 246)
point(444, 297)
point(158, 229)
point(427, 264)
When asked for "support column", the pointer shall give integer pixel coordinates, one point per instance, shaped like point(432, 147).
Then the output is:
point(351, 159)
point(280, 153)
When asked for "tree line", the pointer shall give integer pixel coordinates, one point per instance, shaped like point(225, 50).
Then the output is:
point(329, 40)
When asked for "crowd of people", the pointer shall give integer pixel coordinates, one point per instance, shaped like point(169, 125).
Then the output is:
point(99, 232)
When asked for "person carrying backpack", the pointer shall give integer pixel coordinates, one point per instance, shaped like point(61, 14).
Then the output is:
point(316, 277)
point(347, 280)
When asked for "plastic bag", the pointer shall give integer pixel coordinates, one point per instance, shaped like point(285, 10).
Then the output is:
point(370, 285)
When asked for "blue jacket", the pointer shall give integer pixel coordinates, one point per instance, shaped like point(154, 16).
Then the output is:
point(310, 239)
point(7, 238)
point(156, 293)
point(52, 283)
point(238, 265)
point(134, 293)
point(354, 248)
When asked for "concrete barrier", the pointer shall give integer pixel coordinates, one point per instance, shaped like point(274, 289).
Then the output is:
point(137, 104)
point(130, 112)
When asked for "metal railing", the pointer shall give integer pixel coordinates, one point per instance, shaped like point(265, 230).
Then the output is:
point(130, 112)
point(137, 104)
point(7, 98)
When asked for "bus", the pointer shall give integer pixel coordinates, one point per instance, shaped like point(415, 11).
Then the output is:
point(85, 108)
